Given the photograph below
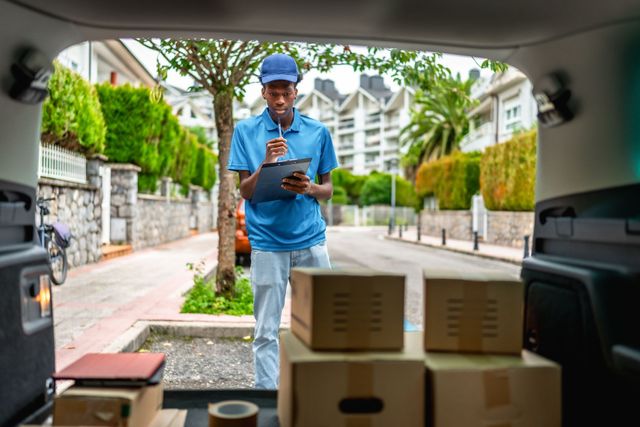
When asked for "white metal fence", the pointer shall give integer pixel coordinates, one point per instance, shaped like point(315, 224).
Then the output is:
point(59, 163)
point(354, 215)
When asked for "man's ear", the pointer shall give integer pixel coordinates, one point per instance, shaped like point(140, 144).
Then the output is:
point(263, 91)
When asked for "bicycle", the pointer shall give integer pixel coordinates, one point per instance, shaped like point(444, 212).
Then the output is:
point(55, 239)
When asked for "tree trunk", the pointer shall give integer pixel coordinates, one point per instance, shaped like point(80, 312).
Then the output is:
point(225, 275)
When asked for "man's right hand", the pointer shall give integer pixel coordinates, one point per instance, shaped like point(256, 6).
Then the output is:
point(276, 148)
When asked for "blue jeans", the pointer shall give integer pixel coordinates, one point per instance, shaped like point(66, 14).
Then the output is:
point(269, 277)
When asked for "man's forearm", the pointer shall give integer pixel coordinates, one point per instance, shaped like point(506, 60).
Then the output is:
point(321, 191)
point(248, 185)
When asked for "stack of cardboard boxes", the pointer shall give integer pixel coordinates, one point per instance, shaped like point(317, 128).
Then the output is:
point(115, 389)
point(347, 361)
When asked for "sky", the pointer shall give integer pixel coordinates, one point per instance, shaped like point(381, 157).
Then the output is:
point(345, 78)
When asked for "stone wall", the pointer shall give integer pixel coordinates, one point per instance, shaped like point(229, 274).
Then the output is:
point(78, 206)
point(457, 223)
point(159, 220)
point(503, 228)
point(124, 199)
point(509, 228)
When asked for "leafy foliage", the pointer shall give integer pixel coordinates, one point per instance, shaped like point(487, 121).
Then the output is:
point(205, 173)
point(438, 121)
point(352, 184)
point(202, 297)
point(377, 191)
point(339, 196)
point(71, 116)
point(508, 174)
point(453, 179)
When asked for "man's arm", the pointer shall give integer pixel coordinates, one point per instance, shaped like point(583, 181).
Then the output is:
point(303, 185)
point(276, 148)
point(248, 183)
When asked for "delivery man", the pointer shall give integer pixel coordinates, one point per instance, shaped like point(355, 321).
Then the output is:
point(283, 233)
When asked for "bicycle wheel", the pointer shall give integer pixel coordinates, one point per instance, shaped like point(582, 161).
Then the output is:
point(58, 261)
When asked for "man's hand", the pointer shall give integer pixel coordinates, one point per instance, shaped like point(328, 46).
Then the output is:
point(276, 148)
point(301, 185)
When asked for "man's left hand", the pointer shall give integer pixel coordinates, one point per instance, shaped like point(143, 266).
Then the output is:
point(301, 185)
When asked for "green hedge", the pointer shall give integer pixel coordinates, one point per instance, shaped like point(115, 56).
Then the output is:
point(71, 116)
point(205, 173)
point(452, 179)
point(377, 191)
point(352, 184)
point(339, 196)
point(508, 174)
point(146, 133)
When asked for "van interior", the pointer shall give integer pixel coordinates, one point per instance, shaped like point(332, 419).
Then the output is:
point(582, 282)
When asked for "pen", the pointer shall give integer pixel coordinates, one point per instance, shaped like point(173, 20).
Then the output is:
point(279, 127)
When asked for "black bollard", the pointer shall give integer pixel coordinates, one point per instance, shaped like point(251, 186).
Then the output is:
point(400, 232)
point(444, 237)
point(526, 246)
point(418, 232)
point(475, 241)
point(390, 231)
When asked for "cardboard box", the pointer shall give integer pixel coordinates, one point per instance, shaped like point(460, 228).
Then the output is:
point(487, 390)
point(169, 418)
point(347, 310)
point(329, 388)
point(130, 407)
point(473, 311)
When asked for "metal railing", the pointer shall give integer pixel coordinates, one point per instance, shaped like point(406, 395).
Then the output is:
point(59, 163)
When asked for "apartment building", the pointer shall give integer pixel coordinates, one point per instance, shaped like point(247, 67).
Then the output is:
point(505, 105)
point(365, 124)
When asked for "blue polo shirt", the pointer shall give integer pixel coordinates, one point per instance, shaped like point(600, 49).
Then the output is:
point(283, 225)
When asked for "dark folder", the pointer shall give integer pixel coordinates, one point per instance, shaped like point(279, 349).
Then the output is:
point(268, 187)
point(115, 369)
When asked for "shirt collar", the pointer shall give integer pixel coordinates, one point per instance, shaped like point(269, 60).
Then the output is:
point(272, 125)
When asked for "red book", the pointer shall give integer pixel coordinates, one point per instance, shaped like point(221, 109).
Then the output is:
point(114, 369)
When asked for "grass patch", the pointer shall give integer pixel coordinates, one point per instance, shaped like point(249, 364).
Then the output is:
point(202, 297)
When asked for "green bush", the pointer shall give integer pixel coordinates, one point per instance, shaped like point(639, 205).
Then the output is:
point(339, 196)
point(377, 191)
point(508, 174)
point(71, 116)
point(453, 179)
point(205, 172)
point(352, 184)
point(184, 167)
point(202, 297)
point(134, 126)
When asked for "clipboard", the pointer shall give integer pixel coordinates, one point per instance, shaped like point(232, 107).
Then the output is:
point(268, 187)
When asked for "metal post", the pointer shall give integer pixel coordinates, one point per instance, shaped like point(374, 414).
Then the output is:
point(393, 200)
point(475, 241)
point(400, 232)
point(526, 246)
point(444, 237)
point(390, 230)
point(418, 227)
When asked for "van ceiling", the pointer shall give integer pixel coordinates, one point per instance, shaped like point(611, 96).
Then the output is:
point(462, 23)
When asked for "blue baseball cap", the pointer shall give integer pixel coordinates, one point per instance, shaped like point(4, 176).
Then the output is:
point(279, 67)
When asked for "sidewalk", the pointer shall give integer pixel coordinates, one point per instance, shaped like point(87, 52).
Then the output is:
point(485, 250)
point(103, 301)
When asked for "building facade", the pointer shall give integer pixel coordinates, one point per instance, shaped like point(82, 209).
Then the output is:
point(505, 106)
point(365, 124)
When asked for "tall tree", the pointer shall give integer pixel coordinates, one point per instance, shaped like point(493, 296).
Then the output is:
point(438, 121)
point(225, 67)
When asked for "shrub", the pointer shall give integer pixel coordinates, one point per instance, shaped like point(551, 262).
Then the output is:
point(508, 174)
point(184, 167)
point(339, 196)
point(205, 171)
point(202, 297)
point(352, 184)
point(134, 126)
point(71, 116)
point(453, 179)
point(377, 191)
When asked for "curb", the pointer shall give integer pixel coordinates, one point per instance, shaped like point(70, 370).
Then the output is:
point(459, 251)
point(135, 337)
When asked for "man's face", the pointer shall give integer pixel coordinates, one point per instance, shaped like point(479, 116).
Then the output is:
point(280, 96)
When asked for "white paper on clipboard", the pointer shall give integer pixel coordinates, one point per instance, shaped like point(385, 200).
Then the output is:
point(268, 187)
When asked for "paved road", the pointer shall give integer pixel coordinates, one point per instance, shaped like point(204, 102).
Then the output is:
point(351, 247)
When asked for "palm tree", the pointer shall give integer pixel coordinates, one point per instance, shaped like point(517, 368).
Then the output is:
point(438, 122)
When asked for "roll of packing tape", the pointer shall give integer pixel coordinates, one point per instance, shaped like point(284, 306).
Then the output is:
point(233, 413)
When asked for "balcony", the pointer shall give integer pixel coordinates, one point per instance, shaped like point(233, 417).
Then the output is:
point(479, 138)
